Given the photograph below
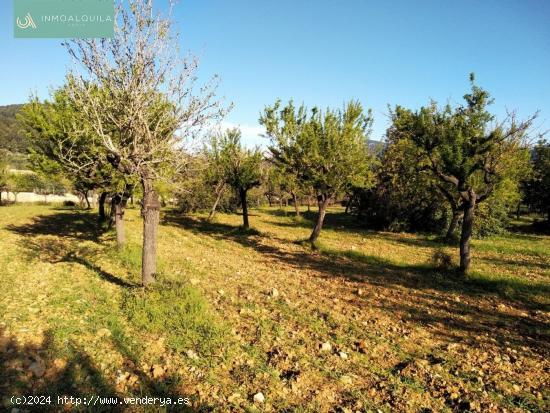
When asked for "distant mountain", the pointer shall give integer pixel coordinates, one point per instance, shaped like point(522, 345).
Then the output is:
point(11, 137)
point(375, 147)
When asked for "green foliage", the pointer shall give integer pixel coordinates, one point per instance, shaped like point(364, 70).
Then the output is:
point(241, 168)
point(326, 151)
point(24, 182)
point(4, 172)
point(63, 143)
point(177, 310)
point(195, 188)
point(11, 137)
point(469, 157)
point(536, 188)
point(402, 198)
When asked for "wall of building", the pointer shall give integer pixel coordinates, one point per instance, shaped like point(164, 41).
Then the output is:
point(32, 197)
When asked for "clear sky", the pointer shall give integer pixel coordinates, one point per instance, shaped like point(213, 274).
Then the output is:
point(324, 52)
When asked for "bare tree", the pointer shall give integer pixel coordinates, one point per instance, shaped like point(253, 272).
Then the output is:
point(139, 95)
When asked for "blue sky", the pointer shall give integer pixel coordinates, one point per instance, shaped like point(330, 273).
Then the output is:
point(325, 52)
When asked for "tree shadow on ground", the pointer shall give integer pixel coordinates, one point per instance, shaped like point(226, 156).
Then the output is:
point(477, 313)
point(47, 368)
point(516, 262)
point(80, 226)
point(338, 221)
point(333, 220)
point(55, 251)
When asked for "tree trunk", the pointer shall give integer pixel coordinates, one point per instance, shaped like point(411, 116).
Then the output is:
point(296, 206)
point(219, 192)
point(101, 202)
point(466, 233)
point(453, 224)
point(80, 200)
point(117, 205)
point(322, 201)
point(150, 213)
point(308, 203)
point(245, 208)
point(88, 206)
point(518, 210)
point(351, 198)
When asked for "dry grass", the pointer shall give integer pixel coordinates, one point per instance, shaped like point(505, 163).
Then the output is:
point(258, 305)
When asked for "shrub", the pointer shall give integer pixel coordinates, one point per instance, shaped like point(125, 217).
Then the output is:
point(442, 260)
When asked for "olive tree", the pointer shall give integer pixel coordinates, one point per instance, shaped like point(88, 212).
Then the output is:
point(138, 94)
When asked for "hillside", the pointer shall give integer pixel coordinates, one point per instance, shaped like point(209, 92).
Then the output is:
point(11, 138)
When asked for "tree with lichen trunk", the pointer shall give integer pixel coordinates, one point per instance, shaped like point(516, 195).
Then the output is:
point(138, 84)
point(465, 149)
point(326, 151)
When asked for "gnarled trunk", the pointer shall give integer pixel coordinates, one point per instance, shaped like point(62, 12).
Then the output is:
point(453, 224)
point(466, 233)
point(322, 201)
point(349, 202)
point(296, 206)
point(150, 212)
point(117, 208)
point(242, 193)
point(88, 206)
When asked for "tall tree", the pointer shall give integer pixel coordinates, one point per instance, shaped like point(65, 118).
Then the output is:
point(138, 83)
point(465, 149)
point(327, 151)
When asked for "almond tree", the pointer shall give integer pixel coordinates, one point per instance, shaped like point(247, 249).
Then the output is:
point(326, 151)
point(241, 167)
point(61, 141)
point(138, 94)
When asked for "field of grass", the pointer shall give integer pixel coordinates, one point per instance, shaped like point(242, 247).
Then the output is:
point(367, 322)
